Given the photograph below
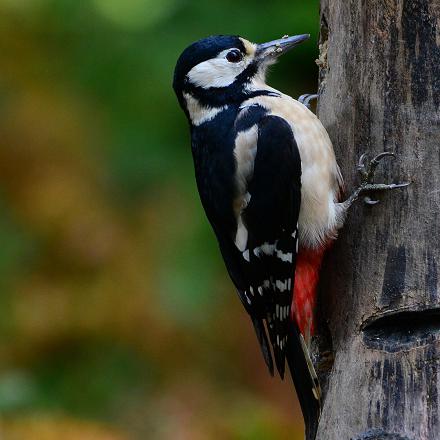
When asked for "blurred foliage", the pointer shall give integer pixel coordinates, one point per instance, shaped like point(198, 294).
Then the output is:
point(117, 319)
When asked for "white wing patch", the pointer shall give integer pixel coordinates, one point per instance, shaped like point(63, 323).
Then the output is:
point(271, 249)
point(244, 152)
point(265, 249)
point(241, 237)
point(281, 285)
point(284, 256)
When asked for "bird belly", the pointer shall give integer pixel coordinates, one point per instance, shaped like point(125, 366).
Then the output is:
point(320, 180)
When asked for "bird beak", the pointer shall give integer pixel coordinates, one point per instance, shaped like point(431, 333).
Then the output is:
point(273, 49)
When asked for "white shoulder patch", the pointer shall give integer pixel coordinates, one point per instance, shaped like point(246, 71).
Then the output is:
point(241, 236)
point(245, 151)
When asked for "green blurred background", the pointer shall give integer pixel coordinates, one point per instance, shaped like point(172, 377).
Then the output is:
point(117, 319)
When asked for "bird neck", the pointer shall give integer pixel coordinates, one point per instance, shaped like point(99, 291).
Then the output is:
point(199, 113)
point(202, 105)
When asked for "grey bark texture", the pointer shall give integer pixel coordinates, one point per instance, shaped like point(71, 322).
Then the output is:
point(380, 296)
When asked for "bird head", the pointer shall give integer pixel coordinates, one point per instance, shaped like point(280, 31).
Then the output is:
point(223, 69)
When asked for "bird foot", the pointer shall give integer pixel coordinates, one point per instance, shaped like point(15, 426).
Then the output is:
point(306, 98)
point(366, 170)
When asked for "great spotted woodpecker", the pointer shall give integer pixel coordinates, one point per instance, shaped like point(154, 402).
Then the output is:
point(270, 185)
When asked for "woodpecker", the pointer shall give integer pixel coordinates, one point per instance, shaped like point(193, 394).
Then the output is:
point(270, 185)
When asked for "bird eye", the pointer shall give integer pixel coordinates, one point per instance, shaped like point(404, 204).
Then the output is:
point(234, 56)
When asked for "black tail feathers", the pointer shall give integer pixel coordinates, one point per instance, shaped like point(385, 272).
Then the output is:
point(301, 369)
point(260, 330)
point(305, 380)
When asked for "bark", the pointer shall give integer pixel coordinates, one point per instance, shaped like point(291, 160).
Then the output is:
point(380, 91)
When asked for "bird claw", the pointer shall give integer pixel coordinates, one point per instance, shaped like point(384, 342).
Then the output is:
point(361, 163)
point(380, 156)
point(367, 171)
point(306, 98)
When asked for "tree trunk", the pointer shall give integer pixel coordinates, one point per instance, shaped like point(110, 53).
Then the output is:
point(380, 91)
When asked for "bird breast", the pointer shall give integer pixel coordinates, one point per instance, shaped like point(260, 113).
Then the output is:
point(321, 179)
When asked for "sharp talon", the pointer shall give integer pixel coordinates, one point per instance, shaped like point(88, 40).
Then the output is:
point(369, 201)
point(399, 185)
point(361, 163)
point(362, 158)
point(384, 154)
point(306, 98)
point(380, 156)
point(309, 98)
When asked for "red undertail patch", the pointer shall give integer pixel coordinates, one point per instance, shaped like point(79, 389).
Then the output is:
point(308, 264)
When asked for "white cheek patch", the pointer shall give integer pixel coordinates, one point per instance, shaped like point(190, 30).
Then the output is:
point(217, 72)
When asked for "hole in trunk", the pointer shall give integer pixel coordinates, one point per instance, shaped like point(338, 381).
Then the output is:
point(379, 434)
point(402, 330)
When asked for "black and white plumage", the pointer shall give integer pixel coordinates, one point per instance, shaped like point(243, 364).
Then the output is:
point(248, 171)
point(261, 261)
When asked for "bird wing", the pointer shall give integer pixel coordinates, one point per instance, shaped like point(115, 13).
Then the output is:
point(263, 269)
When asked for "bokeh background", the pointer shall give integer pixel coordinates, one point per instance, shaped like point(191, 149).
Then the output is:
point(117, 319)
